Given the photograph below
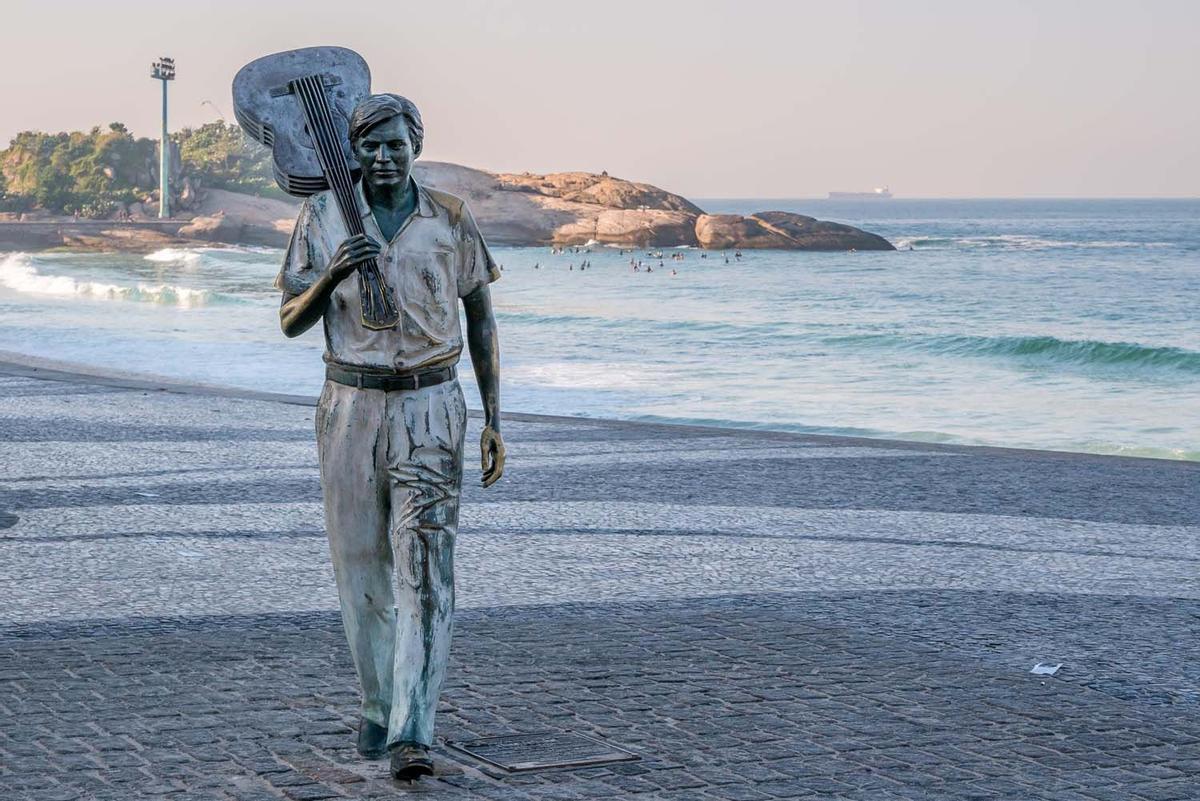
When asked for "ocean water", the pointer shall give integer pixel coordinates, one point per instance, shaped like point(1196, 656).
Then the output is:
point(1059, 324)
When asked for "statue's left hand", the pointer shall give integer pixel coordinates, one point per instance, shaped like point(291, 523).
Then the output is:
point(491, 448)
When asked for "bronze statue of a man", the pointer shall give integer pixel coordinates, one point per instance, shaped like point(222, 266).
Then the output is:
point(391, 418)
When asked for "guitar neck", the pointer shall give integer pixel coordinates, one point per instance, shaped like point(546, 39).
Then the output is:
point(378, 309)
point(310, 91)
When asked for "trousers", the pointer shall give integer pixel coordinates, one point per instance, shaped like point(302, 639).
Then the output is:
point(391, 475)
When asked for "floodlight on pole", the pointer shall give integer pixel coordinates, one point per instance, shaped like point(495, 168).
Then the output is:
point(164, 70)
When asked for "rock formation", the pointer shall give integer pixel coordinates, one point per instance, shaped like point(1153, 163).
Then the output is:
point(242, 219)
point(596, 190)
point(568, 208)
point(784, 230)
point(574, 208)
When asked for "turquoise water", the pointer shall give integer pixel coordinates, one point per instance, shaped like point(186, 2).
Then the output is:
point(1060, 324)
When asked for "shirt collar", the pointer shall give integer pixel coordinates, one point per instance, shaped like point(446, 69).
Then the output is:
point(425, 205)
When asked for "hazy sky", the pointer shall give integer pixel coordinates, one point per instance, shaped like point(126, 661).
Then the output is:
point(710, 99)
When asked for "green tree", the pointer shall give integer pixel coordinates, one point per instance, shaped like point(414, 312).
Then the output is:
point(93, 172)
point(222, 156)
point(87, 173)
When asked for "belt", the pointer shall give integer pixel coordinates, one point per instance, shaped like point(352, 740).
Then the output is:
point(364, 379)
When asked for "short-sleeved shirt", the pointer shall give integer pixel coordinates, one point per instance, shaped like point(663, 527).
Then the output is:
point(437, 257)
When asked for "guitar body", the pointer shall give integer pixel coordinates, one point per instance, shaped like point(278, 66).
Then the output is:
point(267, 109)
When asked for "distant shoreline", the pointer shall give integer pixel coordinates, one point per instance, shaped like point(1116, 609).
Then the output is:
point(525, 209)
point(140, 236)
point(250, 230)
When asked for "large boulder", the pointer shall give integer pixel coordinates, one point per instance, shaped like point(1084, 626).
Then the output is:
point(237, 219)
point(812, 234)
point(735, 231)
point(505, 218)
point(598, 190)
point(630, 227)
point(783, 230)
point(565, 208)
point(215, 228)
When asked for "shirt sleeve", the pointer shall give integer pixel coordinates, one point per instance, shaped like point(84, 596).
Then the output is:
point(300, 268)
point(476, 266)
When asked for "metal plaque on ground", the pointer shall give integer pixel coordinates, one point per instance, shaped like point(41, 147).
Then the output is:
point(541, 750)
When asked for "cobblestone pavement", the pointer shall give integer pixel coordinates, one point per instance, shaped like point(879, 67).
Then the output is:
point(755, 615)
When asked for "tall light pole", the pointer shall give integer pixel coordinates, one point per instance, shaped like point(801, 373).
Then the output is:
point(164, 70)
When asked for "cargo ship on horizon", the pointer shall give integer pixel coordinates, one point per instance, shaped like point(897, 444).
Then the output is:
point(878, 193)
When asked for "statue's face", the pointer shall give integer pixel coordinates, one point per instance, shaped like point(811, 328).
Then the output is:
point(385, 154)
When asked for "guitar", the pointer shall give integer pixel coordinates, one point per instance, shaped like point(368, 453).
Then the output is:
point(298, 103)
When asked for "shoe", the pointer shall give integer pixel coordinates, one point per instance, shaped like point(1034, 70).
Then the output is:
point(372, 739)
point(411, 761)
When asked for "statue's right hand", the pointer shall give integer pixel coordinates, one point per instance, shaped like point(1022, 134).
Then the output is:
point(351, 253)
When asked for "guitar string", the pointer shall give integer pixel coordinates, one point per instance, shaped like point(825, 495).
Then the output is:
point(320, 118)
point(335, 167)
point(320, 142)
point(378, 300)
point(334, 170)
point(377, 297)
point(339, 173)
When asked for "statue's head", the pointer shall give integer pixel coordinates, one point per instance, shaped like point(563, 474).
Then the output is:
point(386, 136)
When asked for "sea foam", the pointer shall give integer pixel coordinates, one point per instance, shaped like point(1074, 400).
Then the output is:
point(18, 272)
point(1048, 349)
point(175, 255)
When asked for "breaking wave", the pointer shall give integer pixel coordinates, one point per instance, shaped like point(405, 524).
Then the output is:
point(1040, 348)
point(1049, 349)
point(17, 272)
point(175, 256)
point(1014, 242)
point(190, 256)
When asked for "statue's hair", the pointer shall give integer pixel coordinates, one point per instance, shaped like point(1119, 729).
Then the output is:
point(376, 109)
